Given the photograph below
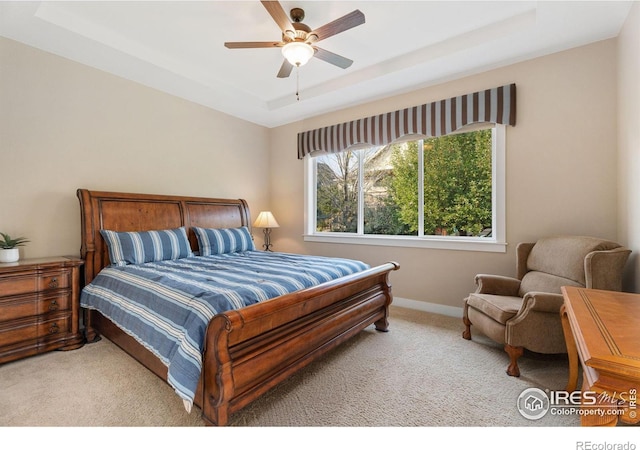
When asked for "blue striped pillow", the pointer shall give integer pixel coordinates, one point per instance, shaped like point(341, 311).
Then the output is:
point(137, 247)
point(216, 241)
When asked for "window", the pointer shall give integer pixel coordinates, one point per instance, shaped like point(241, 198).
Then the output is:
point(444, 192)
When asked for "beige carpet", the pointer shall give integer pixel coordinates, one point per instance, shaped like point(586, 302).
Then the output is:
point(420, 373)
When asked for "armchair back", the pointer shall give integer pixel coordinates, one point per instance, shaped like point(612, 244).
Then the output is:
point(581, 261)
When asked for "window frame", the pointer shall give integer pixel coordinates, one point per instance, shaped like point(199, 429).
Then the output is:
point(495, 243)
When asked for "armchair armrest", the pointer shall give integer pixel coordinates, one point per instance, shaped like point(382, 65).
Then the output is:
point(497, 285)
point(542, 302)
point(603, 269)
point(537, 325)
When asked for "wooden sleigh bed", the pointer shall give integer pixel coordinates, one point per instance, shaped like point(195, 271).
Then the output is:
point(247, 351)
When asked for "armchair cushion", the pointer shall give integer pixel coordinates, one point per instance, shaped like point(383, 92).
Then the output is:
point(500, 308)
point(544, 282)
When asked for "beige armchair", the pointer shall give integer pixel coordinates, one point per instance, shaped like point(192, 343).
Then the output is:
point(524, 312)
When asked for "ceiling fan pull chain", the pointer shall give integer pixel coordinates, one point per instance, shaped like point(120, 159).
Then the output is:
point(298, 83)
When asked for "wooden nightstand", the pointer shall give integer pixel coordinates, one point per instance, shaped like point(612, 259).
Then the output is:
point(39, 307)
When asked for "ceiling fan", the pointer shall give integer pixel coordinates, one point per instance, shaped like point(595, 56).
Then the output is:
point(298, 40)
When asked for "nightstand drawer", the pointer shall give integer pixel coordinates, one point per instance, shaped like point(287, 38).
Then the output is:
point(54, 280)
point(32, 305)
point(19, 284)
point(54, 328)
point(26, 330)
point(27, 283)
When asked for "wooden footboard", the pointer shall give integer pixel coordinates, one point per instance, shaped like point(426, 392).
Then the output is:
point(249, 351)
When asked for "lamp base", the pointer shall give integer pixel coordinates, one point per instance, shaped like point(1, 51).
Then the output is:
point(267, 240)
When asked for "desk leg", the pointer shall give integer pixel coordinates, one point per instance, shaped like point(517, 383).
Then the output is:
point(602, 414)
point(572, 351)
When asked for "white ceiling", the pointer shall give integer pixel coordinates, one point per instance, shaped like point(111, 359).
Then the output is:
point(177, 47)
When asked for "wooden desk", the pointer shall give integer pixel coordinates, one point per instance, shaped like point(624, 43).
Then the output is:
point(602, 330)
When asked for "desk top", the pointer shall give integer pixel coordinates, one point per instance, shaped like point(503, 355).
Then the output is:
point(606, 326)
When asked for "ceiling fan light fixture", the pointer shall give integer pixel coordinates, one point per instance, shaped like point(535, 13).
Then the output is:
point(297, 53)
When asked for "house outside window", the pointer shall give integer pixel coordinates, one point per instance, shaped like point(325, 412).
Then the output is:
point(441, 192)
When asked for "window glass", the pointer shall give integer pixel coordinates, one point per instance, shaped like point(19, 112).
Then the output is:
point(391, 200)
point(457, 184)
point(337, 188)
point(422, 188)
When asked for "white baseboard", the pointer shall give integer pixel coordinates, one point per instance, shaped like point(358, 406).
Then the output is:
point(445, 310)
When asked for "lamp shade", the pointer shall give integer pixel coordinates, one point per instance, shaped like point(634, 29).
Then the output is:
point(265, 220)
point(297, 53)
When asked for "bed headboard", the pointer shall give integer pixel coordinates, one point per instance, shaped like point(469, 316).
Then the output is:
point(121, 211)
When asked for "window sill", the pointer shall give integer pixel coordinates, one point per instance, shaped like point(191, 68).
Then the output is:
point(434, 242)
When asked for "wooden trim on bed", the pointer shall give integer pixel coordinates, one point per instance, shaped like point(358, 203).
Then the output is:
point(247, 351)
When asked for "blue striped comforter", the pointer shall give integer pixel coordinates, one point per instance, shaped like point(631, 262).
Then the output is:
point(167, 305)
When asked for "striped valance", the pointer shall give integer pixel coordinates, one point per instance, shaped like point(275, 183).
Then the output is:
point(497, 105)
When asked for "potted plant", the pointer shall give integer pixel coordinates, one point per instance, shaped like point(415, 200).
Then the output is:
point(9, 251)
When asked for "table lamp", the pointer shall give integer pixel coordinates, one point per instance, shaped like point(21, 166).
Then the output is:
point(267, 221)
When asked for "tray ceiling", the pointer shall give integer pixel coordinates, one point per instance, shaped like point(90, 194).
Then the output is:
point(177, 47)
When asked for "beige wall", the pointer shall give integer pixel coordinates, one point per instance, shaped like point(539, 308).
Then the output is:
point(65, 126)
point(629, 142)
point(60, 119)
point(561, 169)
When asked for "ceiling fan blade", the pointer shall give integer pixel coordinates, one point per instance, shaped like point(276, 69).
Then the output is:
point(332, 58)
point(253, 44)
point(353, 19)
point(278, 14)
point(285, 69)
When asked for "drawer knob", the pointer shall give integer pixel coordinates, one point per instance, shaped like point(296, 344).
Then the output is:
point(53, 283)
point(53, 305)
point(54, 328)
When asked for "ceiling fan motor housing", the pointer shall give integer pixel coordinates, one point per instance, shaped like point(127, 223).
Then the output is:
point(297, 14)
point(300, 33)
